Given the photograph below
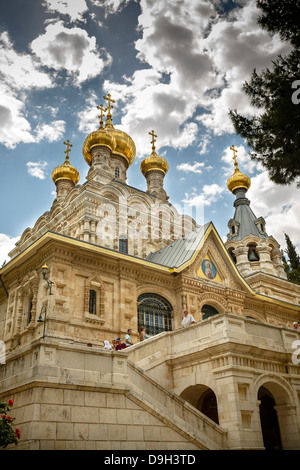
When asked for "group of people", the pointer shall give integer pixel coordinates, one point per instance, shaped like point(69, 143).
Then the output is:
point(118, 345)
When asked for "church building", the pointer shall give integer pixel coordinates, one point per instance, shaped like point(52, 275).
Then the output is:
point(107, 258)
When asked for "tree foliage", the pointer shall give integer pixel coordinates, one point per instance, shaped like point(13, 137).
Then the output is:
point(274, 133)
point(292, 263)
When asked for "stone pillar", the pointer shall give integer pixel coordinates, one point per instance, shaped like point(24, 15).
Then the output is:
point(265, 262)
point(278, 263)
point(242, 262)
point(287, 419)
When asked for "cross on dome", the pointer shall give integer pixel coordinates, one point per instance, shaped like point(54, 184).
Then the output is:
point(153, 139)
point(234, 155)
point(68, 148)
point(102, 111)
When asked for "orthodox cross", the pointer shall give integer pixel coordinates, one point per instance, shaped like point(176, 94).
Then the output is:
point(109, 106)
point(234, 155)
point(102, 111)
point(153, 140)
point(68, 148)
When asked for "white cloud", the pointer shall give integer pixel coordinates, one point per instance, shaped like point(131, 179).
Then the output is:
point(245, 164)
point(37, 169)
point(195, 64)
point(73, 8)
point(51, 132)
point(210, 193)
point(20, 71)
point(71, 50)
point(14, 127)
point(7, 243)
point(196, 167)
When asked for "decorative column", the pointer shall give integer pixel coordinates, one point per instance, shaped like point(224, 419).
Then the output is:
point(242, 262)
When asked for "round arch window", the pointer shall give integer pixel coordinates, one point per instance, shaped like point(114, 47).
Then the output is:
point(207, 311)
point(154, 313)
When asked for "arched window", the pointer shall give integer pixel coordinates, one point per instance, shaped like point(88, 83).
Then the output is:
point(92, 302)
point(252, 254)
point(154, 313)
point(117, 172)
point(207, 311)
point(30, 310)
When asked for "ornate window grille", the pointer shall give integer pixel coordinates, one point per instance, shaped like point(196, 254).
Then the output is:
point(154, 313)
point(92, 302)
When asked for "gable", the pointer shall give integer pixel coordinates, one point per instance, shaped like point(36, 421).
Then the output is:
point(213, 263)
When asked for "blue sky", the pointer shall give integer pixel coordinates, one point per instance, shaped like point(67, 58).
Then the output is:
point(175, 66)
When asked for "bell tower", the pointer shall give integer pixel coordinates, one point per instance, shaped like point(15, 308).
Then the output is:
point(248, 243)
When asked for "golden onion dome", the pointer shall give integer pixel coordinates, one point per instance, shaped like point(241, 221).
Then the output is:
point(66, 171)
point(154, 161)
point(238, 179)
point(117, 141)
point(102, 137)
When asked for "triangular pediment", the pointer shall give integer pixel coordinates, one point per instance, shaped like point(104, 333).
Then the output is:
point(206, 257)
point(213, 263)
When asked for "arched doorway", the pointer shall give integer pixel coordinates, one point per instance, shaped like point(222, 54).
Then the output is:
point(154, 313)
point(269, 420)
point(207, 311)
point(204, 399)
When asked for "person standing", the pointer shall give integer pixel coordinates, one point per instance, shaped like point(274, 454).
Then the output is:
point(128, 341)
point(188, 319)
point(143, 335)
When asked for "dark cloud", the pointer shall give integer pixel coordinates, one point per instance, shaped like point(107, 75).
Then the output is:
point(5, 117)
point(68, 45)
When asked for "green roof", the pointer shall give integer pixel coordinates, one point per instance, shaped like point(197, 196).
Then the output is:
point(179, 252)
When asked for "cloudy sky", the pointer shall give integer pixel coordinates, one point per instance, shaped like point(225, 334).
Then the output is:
point(175, 66)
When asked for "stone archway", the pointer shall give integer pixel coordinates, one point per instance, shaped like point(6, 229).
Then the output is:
point(277, 411)
point(203, 399)
point(269, 420)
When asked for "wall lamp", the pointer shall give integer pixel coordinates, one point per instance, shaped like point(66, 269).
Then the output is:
point(41, 320)
point(49, 282)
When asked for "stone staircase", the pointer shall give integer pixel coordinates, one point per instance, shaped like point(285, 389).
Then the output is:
point(174, 411)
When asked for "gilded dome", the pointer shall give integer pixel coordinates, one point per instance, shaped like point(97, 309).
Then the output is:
point(117, 141)
point(154, 161)
point(66, 171)
point(238, 179)
point(102, 137)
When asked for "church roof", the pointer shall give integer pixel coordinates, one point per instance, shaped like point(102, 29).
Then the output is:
point(246, 219)
point(179, 252)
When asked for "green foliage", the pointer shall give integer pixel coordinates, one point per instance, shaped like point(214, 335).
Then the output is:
point(274, 133)
point(7, 434)
point(292, 264)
